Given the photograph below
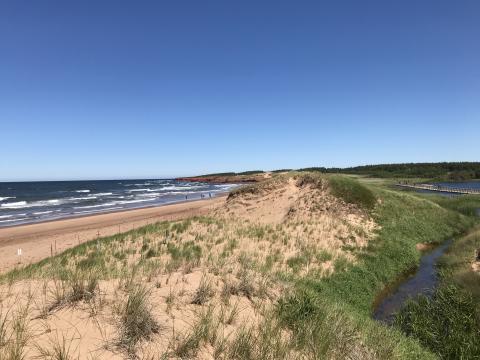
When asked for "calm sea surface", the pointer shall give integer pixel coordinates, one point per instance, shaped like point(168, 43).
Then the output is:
point(29, 202)
point(462, 185)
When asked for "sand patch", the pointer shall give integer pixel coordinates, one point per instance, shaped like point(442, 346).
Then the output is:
point(425, 246)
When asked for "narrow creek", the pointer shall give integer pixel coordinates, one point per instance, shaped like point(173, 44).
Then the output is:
point(421, 282)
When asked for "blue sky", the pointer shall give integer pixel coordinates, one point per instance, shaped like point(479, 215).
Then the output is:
point(117, 89)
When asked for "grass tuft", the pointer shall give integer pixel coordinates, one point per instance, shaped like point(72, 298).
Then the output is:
point(204, 292)
point(137, 321)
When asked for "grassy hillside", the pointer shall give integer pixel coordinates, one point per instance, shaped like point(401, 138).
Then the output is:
point(405, 220)
point(450, 171)
point(287, 268)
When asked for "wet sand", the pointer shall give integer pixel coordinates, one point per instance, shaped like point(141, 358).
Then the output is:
point(38, 241)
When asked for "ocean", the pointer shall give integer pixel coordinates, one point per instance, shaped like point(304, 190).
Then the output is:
point(31, 202)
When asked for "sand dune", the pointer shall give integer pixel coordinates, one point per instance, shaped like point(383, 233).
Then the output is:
point(187, 289)
point(38, 241)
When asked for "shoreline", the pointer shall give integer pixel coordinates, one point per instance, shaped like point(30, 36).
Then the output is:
point(39, 240)
point(79, 216)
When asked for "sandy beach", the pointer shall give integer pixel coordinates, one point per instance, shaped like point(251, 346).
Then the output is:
point(37, 241)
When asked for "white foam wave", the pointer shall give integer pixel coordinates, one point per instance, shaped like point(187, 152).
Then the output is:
point(181, 193)
point(6, 197)
point(188, 187)
point(83, 198)
point(24, 204)
point(82, 191)
point(95, 206)
point(15, 205)
point(42, 212)
point(139, 190)
point(5, 216)
point(172, 187)
point(103, 194)
point(227, 186)
point(96, 211)
point(10, 220)
point(134, 201)
point(152, 194)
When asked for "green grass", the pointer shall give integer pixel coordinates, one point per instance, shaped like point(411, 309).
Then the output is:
point(266, 341)
point(404, 220)
point(465, 204)
point(323, 256)
point(324, 317)
point(297, 262)
point(137, 321)
point(449, 323)
point(352, 191)
point(204, 330)
point(455, 265)
point(188, 251)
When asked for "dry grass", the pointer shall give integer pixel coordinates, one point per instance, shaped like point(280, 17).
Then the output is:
point(195, 288)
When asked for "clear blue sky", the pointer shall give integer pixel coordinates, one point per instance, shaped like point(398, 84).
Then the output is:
point(129, 89)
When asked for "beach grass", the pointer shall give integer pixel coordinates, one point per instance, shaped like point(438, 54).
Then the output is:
point(307, 301)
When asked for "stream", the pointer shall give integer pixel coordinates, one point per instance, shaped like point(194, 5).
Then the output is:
point(421, 282)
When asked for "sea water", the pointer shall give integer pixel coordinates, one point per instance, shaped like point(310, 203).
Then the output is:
point(30, 202)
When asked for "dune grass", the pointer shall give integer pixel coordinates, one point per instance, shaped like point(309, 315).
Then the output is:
point(321, 317)
point(137, 321)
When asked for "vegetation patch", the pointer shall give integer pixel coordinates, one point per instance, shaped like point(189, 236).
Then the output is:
point(448, 324)
point(468, 205)
point(137, 321)
point(352, 192)
point(289, 269)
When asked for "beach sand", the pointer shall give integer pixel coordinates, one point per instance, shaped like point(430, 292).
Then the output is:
point(37, 241)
